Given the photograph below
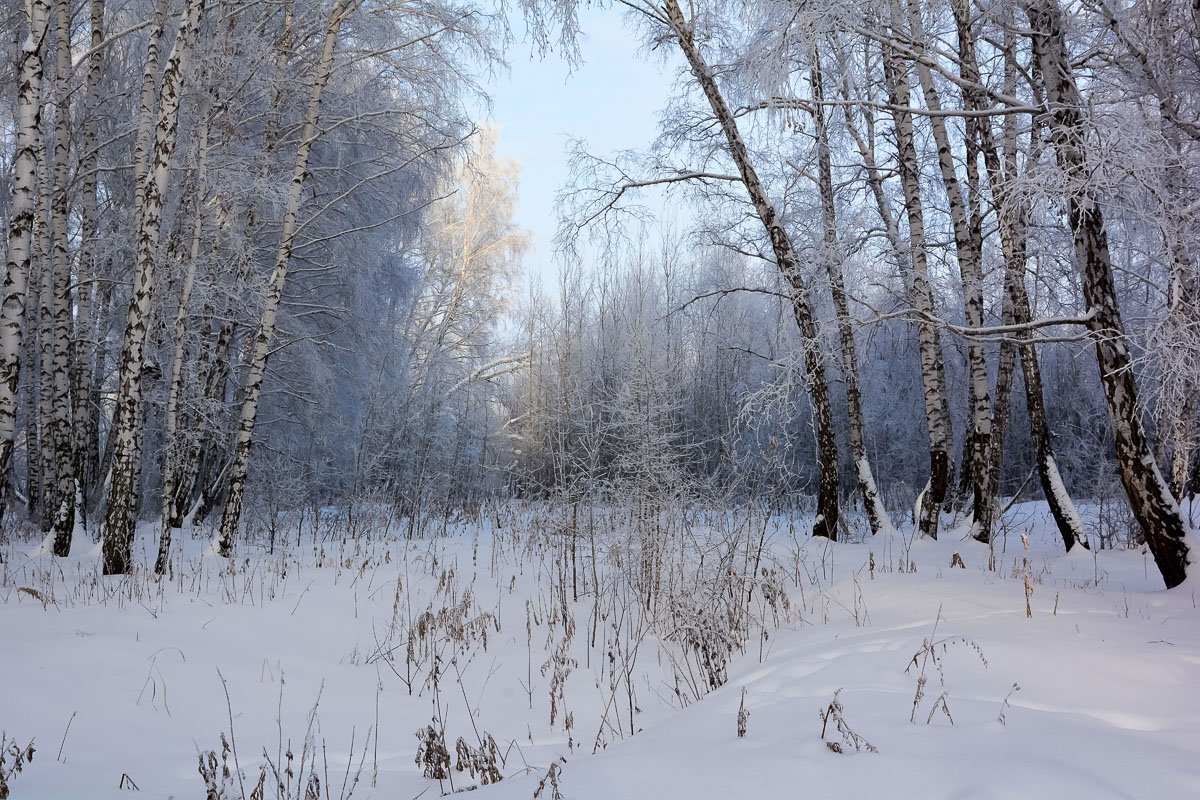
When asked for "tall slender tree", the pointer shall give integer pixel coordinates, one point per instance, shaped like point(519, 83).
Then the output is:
point(20, 230)
point(261, 351)
point(121, 512)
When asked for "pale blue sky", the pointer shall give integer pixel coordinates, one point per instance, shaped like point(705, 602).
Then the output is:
point(611, 99)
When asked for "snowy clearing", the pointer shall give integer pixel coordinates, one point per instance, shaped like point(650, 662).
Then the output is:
point(119, 680)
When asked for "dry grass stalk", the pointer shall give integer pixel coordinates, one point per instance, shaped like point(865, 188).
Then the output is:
point(836, 711)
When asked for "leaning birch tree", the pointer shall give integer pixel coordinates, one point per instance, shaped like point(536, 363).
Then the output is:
point(832, 256)
point(1150, 497)
point(261, 350)
point(786, 259)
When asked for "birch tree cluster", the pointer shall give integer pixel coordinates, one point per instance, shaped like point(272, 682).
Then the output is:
point(234, 222)
point(980, 219)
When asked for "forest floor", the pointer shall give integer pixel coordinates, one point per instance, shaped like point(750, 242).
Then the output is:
point(926, 680)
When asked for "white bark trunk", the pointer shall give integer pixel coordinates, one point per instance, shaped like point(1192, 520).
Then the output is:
point(120, 516)
point(232, 512)
point(62, 510)
point(968, 246)
point(1149, 496)
point(833, 257)
point(84, 416)
point(146, 116)
point(789, 266)
point(1013, 215)
point(171, 465)
point(20, 232)
point(44, 384)
point(920, 291)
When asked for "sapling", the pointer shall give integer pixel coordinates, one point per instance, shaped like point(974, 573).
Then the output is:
point(1027, 574)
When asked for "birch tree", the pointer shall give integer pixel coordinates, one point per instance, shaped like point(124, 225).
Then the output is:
point(85, 410)
point(1013, 220)
point(913, 263)
point(266, 327)
point(20, 230)
point(171, 471)
point(61, 500)
point(876, 514)
point(121, 512)
point(1150, 497)
point(968, 240)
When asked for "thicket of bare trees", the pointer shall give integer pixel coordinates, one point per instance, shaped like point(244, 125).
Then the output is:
point(261, 254)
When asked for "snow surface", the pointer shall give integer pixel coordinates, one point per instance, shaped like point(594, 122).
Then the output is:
point(1107, 669)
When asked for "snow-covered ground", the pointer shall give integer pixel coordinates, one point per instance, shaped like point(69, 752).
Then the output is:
point(495, 629)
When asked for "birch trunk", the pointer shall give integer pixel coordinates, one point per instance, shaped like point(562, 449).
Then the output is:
point(86, 433)
point(1062, 508)
point(62, 511)
point(120, 516)
point(44, 257)
point(146, 116)
point(1182, 323)
point(20, 231)
point(33, 462)
point(789, 266)
point(1005, 368)
point(1149, 496)
point(920, 291)
point(232, 512)
point(1013, 215)
point(968, 246)
point(171, 465)
point(978, 139)
point(833, 258)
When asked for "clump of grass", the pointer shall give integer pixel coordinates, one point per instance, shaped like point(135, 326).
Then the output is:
point(214, 769)
point(35, 594)
point(282, 775)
